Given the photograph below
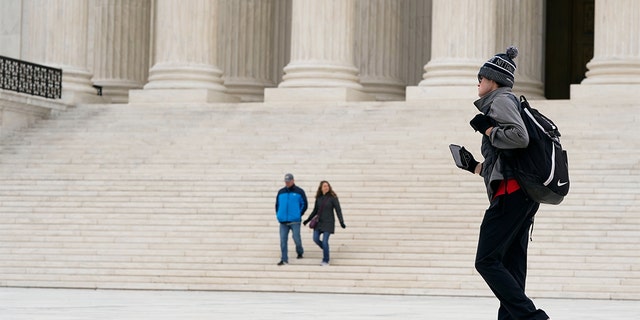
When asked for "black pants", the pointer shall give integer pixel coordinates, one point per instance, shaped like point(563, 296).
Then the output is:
point(501, 258)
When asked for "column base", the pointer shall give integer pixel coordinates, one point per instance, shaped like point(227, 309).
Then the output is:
point(116, 91)
point(180, 95)
point(247, 89)
point(383, 89)
point(605, 93)
point(77, 87)
point(421, 93)
point(529, 88)
point(74, 98)
point(116, 95)
point(315, 95)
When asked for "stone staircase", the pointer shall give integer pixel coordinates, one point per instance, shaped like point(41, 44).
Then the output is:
point(182, 197)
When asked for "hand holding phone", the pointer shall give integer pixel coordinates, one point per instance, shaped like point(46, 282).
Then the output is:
point(463, 158)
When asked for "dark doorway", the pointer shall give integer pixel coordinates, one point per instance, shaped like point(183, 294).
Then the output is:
point(569, 45)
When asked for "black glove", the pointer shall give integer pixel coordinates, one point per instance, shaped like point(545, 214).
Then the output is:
point(481, 123)
point(305, 222)
point(468, 162)
point(342, 225)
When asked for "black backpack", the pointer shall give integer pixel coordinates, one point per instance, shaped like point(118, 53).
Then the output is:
point(542, 168)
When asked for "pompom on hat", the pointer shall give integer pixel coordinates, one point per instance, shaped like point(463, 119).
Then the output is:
point(500, 68)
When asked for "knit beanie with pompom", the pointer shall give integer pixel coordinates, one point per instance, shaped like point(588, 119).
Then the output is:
point(500, 68)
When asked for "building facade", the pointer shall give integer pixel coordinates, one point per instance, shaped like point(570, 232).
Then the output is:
point(330, 50)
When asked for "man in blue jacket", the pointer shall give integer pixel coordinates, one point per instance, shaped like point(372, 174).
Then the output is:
point(291, 203)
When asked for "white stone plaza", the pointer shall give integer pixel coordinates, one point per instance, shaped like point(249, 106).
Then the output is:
point(65, 304)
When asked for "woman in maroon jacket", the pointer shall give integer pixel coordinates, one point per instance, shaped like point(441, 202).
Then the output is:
point(326, 203)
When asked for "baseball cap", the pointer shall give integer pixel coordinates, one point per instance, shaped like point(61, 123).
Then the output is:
point(288, 177)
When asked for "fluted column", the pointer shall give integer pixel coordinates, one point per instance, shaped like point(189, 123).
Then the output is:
point(185, 54)
point(521, 23)
point(378, 50)
point(55, 34)
point(614, 71)
point(416, 39)
point(463, 39)
point(10, 29)
point(282, 38)
point(322, 65)
point(121, 50)
point(246, 54)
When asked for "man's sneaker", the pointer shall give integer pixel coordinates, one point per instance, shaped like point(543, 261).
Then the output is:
point(282, 263)
point(300, 256)
point(324, 264)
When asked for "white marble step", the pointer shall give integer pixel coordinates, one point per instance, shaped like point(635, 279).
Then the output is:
point(181, 197)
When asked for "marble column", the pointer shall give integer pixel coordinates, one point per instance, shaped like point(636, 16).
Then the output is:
point(247, 51)
point(10, 28)
point(282, 39)
point(467, 33)
point(463, 39)
point(121, 46)
point(322, 65)
point(521, 23)
point(55, 34)
point(185, 55)
point(416, 39)
point(378, 50)
point(614, 71)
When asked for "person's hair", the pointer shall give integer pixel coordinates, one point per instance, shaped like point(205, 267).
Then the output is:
point(330, 193)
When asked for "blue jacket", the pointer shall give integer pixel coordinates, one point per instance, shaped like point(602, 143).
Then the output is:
point(291, 203)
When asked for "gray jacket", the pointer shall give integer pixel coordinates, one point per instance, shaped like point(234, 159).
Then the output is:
point(509, 132)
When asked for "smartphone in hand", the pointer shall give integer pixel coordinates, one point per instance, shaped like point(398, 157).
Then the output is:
point(455, 152)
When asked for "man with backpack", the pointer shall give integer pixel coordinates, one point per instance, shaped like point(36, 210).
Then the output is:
point(501, 257)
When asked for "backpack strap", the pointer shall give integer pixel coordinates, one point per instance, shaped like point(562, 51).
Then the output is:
point(523, 99)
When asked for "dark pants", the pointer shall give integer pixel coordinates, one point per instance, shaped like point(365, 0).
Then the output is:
point(501, 258)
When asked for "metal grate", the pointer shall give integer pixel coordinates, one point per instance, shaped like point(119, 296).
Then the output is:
point(30, 78)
